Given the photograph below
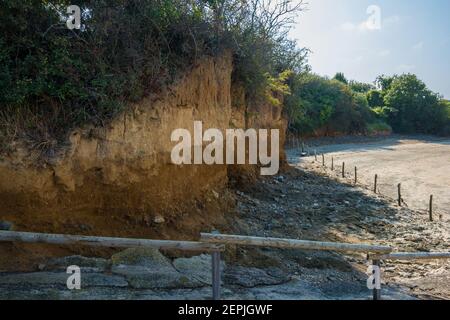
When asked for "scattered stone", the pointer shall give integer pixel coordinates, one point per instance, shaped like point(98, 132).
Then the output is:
point(6, 226)
point(145, 257)
point(146, 268)
point(215, 194)
point(252, 277)
point(33, 279)
point(86, 264)
point(198, 267)
point(159, 219)
point(141, 277)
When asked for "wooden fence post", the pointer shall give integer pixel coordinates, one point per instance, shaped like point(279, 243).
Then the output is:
point(215, 257)
point(323, 160)
point(376, 292)
point(332, 163)
point(399, 190)
point(343, 169)
point(356, 175)
point(375, 183)
point(431, 208)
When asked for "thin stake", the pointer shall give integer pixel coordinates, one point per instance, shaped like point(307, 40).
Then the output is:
point(315, 154)
point(323, 160)
point(376, 292)
point(431, 208)
point(375, 184)
point(399, 188)
point(356, 175)
point(343, 169)
point(332, 163)
point(215, 257)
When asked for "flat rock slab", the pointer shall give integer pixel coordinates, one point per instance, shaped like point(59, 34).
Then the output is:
point(145, 257)
point(51, 279)
point(86, 264)
point(198, 268)
point(253, 277)
point(141, 277)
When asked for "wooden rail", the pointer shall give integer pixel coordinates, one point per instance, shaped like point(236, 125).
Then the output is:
point(292, 244)
point(64, 239)
point(412, 256)
point(215, 243)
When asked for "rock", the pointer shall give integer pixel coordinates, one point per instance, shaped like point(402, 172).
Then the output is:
point(146, 268)
point(6, 226)
point(86, 264)
point(51, 279)
point(159, 219)
point(252, 277)
point(145, 257)
point(198, 267)
point(141, 277)
point(215, 194)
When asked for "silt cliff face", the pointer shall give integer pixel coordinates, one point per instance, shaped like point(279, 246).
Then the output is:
point(118, 180)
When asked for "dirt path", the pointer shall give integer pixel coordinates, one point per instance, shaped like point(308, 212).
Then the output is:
point(421, 165)
point(426, 171)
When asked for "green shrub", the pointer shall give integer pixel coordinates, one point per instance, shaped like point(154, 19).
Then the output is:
point(378, 127)
point(53, 79)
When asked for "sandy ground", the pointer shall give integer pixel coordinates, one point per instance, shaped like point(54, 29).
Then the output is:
point(420, 164)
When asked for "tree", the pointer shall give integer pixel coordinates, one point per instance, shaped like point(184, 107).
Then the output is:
point(384, 82)
point(417, 109)
point(318, 105)
point(360, 87)
point(375, 98)
point(340, 77)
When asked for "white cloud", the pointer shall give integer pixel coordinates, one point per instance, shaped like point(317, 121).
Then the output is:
point(406, 67)
point(372, 23)
point(348, 26)
point(418, 46)
point(391, 21)
point(384, 53)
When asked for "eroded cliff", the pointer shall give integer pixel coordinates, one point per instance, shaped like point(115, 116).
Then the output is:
point(118, 180)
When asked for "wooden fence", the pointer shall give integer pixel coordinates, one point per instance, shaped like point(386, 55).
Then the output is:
point(215, 244)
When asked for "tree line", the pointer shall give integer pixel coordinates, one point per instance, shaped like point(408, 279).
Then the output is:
point(401, 103)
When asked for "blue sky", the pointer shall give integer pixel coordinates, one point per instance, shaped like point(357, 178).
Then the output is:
point(413, 36)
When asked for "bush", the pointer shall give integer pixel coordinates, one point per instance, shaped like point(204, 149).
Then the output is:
point(413, 107)
point(329, 106)
point(53, 79)
point(378, 127)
